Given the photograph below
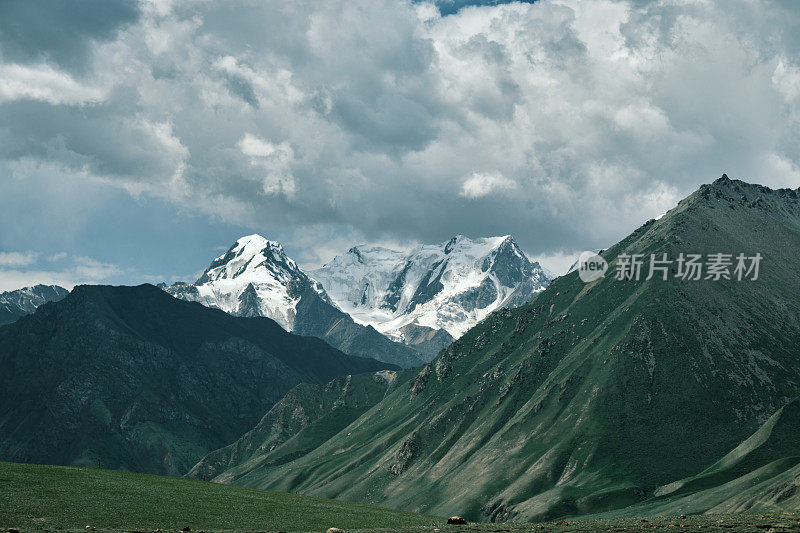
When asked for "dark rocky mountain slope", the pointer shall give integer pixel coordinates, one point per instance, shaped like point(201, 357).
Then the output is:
point(303, 419)
point(137, 380)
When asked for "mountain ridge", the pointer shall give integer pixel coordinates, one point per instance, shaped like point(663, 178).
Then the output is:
point(24, 301)
point(305, 417)
point(135, 379)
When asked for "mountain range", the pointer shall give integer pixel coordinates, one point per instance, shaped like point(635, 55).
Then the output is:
point(401, 308)
point(21, 302)
point(398, 307)
point(255, 278)
point(623, 395)
point(448, 287)
point(131, 378)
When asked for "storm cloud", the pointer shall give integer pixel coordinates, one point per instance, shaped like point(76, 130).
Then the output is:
point(60, 31)
point(565, 123)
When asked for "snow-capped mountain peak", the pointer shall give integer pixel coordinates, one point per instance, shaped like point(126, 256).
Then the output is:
point(448, 286)
point(254, 277)
point(254, 258)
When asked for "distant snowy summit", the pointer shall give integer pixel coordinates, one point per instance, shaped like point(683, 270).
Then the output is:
point(449, 286)
point(253, 278)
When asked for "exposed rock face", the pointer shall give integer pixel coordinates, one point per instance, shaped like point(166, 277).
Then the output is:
point(428, 341)
point(404, 457)
point(249, 303)
point(450, 286)
point(16, 304)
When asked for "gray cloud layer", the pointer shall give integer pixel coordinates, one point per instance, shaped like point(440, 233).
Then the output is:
point(565, 123)
point(60, 31)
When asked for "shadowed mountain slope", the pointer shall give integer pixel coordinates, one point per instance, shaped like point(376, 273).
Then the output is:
point(135, 379)
point(304, 419)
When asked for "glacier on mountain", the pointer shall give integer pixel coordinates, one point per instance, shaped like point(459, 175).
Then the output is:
point(449, 286)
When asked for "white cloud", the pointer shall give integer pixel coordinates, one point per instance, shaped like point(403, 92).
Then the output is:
point(482, 184)
point(558, 263)
point(786, 79)
point(782, 171)
point(427, 11)
point(43, 82)
point(255, 147)
point(82, 270)
point(17, 259)
point(276, 162)
point(160, 8)
point(89, 269)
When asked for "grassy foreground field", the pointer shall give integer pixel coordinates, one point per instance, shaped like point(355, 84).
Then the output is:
point(47, 498)
point(54, 497)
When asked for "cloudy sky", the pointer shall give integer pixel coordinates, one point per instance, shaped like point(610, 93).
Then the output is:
point(137, 139)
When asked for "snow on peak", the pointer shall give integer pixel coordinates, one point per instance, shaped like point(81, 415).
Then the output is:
point(254, 259)
point(14, 304)
point(257, 241)
point(451, 286)
point(254, 277)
